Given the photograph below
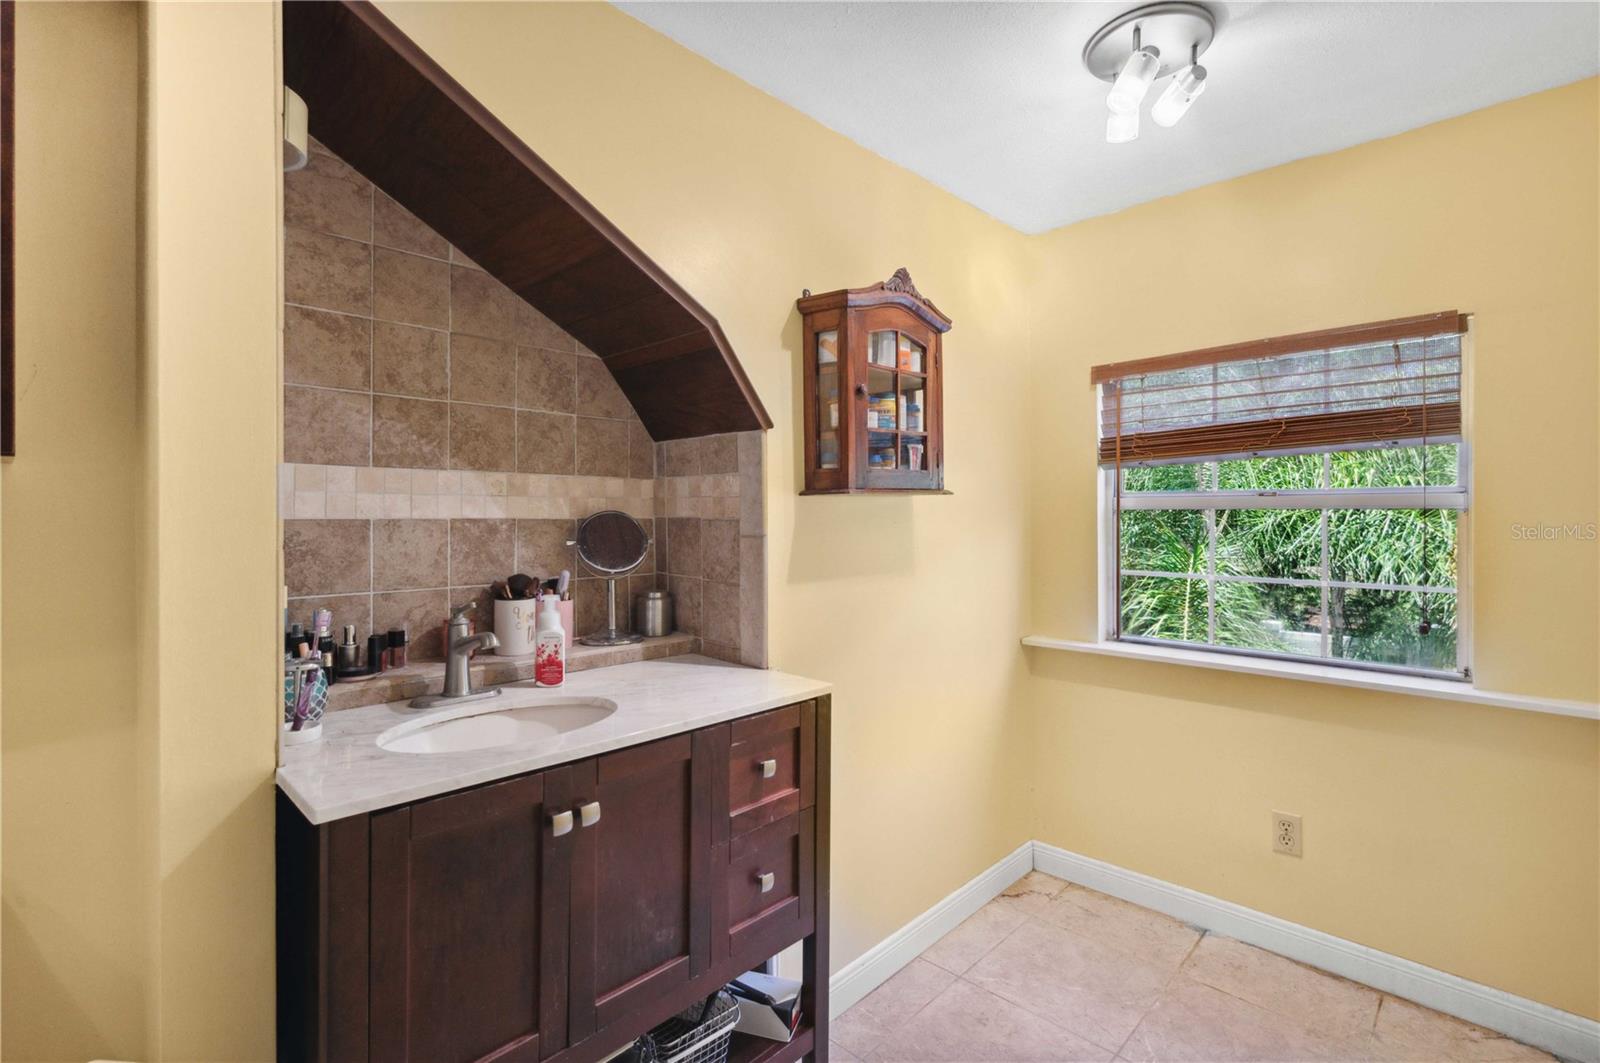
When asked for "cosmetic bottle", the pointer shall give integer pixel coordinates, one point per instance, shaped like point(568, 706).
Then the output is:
point(397, 647)
point(377, 648)
point(325, 653)
point(550, 645)
point(347, 655)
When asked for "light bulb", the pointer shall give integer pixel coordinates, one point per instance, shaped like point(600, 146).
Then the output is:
point(1187, 85)
point(1121, 128)
point(1128, 91)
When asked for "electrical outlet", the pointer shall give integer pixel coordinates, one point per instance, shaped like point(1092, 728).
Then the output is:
point(1286, 834)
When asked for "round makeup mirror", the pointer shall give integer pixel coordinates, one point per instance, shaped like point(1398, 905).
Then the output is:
point(611, 544)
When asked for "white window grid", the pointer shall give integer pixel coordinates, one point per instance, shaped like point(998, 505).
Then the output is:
point(1452, 496)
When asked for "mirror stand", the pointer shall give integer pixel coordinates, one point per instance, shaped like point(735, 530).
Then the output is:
point(611, 636)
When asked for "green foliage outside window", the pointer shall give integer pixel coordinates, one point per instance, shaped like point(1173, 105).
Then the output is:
point(1406, 547)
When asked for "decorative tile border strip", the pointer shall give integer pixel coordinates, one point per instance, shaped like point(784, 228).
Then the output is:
point(358, 493)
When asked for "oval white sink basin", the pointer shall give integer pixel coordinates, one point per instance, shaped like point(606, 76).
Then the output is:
point(485, 726)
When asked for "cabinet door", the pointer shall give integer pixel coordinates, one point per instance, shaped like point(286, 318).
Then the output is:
point(641, 878)
point(461, 968)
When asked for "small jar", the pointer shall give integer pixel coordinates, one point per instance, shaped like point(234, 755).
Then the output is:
point(652, 614)
point(398, 645)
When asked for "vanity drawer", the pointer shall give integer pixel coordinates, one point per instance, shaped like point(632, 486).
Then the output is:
point(771, 883)
point(771, 766)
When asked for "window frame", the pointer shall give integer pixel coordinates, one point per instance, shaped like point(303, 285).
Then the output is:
point(1458, 496)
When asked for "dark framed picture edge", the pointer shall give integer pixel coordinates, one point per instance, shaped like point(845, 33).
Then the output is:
point(8, 360)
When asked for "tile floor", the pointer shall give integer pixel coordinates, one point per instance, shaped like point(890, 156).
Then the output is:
point(1055, 972)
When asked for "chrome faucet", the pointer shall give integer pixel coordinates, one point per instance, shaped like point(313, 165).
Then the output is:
point(459, 647)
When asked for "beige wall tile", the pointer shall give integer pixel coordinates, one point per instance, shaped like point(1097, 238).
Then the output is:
point(641, 452)
point(482, 370)
point(410, 554)
point(482, 437)
point(719, 545)
point(536, 330)
point(326, 427)
point(327, 349)
point(602, 447)
point(542, 550)
point(686, 598)
point(481, 551)
point(678, 457)
point(719, 454)
point(546, 380)
point(719, 610)
point(683, 553)
point(546, 442)
point(598, 393)
point(410, 289)
point(327, 271)
point(589, 606)
point(753, 601)
point(752, 493)
point(421, 613)
point(328, 196)
point(407, 360)
point(409, 433)
point(481, 305)
point(326, 557)
point(395, 226)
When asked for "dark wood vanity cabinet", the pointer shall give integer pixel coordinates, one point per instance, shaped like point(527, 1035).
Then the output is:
point(458, 908)
point(559, 914)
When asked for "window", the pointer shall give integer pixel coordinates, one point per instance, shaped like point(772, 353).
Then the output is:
point(1301, 497)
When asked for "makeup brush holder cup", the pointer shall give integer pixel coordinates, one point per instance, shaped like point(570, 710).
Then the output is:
point(514, 624)
point(305, 701)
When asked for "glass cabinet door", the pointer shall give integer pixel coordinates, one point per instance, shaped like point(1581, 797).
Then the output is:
point(897, 406)
point(828, 399)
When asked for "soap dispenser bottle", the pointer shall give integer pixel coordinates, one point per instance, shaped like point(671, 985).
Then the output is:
point(550, 645)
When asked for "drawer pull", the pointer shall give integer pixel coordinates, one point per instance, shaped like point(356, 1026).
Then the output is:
point(561, 823)
point(766, 880)
point(769, 768)
point(589, 814)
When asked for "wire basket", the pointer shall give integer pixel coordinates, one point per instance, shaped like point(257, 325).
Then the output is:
point(700, 1033)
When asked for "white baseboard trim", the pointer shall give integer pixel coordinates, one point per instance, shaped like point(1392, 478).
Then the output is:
point(879, 963)
point(1560, 1032)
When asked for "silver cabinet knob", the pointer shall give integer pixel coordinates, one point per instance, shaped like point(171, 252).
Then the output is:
point(769, 768)
point(766, 880)
point(589, 814)
point(561, 823)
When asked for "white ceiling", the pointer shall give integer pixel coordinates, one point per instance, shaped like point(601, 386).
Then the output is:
point(990, 101)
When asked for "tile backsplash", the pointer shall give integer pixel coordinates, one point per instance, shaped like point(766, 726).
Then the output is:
point(440, 433)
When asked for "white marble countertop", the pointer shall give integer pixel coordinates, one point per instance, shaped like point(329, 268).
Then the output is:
point(345, 773)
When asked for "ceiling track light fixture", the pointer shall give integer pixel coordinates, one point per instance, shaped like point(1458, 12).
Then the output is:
point(1136, 49)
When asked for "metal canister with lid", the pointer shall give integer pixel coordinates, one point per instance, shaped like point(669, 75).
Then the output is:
point(652, 614)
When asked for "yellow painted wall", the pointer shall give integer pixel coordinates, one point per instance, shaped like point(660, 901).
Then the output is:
point(212, 378)
point(139, 529)
point(1464, 838)
point(74, 918)
point(746, 202)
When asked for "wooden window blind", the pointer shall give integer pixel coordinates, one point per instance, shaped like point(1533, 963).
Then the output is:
point(1364, 385)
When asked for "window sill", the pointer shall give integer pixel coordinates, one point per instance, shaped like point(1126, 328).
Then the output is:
point(1416, 686)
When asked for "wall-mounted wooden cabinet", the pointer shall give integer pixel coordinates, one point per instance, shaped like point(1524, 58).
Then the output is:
point(874, 389)
point(553, 917)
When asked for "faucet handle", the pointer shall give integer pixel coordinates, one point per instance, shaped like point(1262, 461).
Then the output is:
point(460, 612)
